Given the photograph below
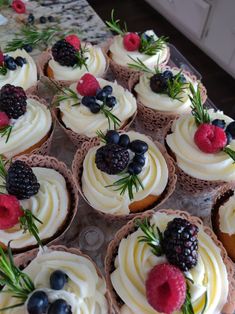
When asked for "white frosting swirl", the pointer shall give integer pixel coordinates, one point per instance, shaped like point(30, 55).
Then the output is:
point(209, 275)
point(227, 216)
point(191, 159)
point(96, 64)
point(163, 102)
point(50, 205)
point(154, 177)
point(82, 121)
point(28, 130)
point(84, 291)
point(121, 56)
point(25, 76)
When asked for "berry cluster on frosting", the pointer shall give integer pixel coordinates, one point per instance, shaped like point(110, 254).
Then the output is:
point(13, 104)
point(166, 286)
point(119, 155)
point(9, 63)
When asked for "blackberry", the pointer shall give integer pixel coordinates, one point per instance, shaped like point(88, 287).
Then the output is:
point(21, 181)
point(13, 101)
point(112, 158)
point(64, 53)
point(180, 244)
point(158, 83)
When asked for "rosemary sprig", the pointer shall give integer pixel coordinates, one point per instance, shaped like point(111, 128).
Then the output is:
point(110, 116)
point(230, 152)
point(140, 66)
point(101, 135)
point(176, 86)
point(200, 114)
point(6, 131)
point(115, 27)
point(28, 224)
point(187, 307)
point(66, 94)
point(3, 70)
point(151, 47)
point(15, 281)
point(3, 163)
point(81, 59)
point(153, 236)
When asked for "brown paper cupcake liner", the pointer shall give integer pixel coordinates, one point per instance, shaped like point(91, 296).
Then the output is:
point(23, 260)
point(53, 163)
point(77, 169)
point(130, 228)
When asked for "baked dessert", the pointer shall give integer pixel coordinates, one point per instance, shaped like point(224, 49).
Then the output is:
point(127, 47)
point(25, 123)
point(125, 174)
point(60, 280)
point(17, 68)
point(202, 144)
point(94, 104)
point(69, 59)
point(38, 201)
point(177, 266)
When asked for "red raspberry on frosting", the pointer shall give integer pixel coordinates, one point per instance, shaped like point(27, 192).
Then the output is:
point(74, 41)
point(1, 58)
point(10, 211)
point(166, 288)
point(210, 138)
point(88, 85)
point(4, 120)
point(131, 41)
point(18, 6)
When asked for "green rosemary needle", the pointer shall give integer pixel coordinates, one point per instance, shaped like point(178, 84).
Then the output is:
point(151, 47)
point(6, 131)
point(28, 224)
point(3, 70)
point(200, 113)
point(115, 27)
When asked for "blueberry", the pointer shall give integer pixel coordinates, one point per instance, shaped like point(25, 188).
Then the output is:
point(10, 64)
point(94, 108)
point(38, 303)
point(101, 95)
point(58, 279)
point(112, 137)
point(108, 89)
point(28, 48)
point(229, 137)
point(139, 159)
point(42, 20)
point(6, 57)
point(149, 39)
point(31, 18)
point(124, 140)
point(51, 18)
point(220, 123)
point(231, 129)
point(111, 101)
point(134, 168)
point(20, 61)
point(182, 79)
point(168, 75)
point(139, 147)
point(60, 306)
point(88, 100)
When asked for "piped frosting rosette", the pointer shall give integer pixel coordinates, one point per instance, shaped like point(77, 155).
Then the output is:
point(212, 276)
point(84, 289)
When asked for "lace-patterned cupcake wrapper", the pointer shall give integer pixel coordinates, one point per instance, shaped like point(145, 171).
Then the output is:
point(130, 227)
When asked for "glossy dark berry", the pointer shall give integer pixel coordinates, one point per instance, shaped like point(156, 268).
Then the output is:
point(220, 123)
point(101, 95)
point(58, 279)
point(42, 19)
point(20, 61)
point(6, 57)
point(158, 83)
point(182, 79)
point(124, 140)
point(139, 159)
point(38, 303)
point(51, 19)
point(31, 18)
point(147, 38)
point(229, 137)
point(94, 108)
point(10, 64)
point(168, 75)
point(88, 101)
point(21, 181)
point(28, 48)
point(134, 168)
point(112, 137)
point(60, 306)
point(112, 158)
point(64, 53)
point(139, 147)
point(180, 244)
point(108, 90)
point(111, 101)
point(231, 129)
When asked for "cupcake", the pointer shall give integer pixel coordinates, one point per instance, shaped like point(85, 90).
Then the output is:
point(202, 144)
point(125, 174)
point(18, 68)
point(55, 280)
point(38, 201)
point(25, 123)
point(69, 59)
point(163, 95)
point(127, 47)
point(223, 218)
point(177, 266)
point(94, 104)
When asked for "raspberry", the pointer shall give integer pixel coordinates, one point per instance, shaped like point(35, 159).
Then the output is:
point(74, 41)
point(166, 288)
point(18, 6)
point(131, 41)
point(9, 211)
point(88, 85)
point(210, 138)
point(4, 120)
point(1, 58)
